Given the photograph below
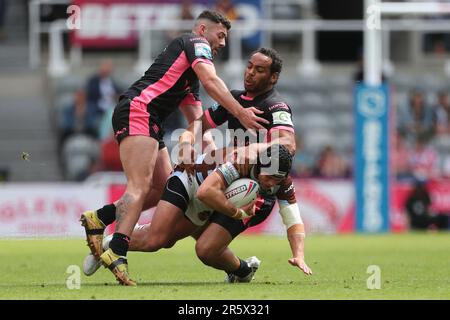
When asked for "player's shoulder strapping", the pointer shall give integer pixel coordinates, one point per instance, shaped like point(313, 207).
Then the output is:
point(229, 172)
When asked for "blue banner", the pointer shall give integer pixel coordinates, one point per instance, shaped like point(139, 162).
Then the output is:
point(372, 158)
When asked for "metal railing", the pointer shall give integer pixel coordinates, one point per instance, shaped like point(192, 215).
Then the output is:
point(307, 65)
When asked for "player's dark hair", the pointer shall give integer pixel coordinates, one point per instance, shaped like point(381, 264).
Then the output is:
point(216, 17)
point(278, 153)
point(277, 63)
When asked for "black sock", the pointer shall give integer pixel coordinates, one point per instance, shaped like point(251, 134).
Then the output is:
point(107, 214)
point(119, 244)
point(243, 270)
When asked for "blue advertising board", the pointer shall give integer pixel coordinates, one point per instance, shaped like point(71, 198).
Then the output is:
point(372, 158)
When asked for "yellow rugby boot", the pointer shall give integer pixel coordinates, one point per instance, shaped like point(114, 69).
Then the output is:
point(94, 228)
point(118, 266)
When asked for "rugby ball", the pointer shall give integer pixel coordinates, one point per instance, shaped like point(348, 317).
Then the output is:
point(242, 192)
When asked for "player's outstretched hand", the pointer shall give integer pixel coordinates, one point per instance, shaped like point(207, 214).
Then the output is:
point(249, 118)
point(299, 262)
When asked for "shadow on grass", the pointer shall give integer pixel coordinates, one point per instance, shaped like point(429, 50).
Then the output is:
point(155, 284)
point(189, 283)
point(111, 284)
point(147, 284)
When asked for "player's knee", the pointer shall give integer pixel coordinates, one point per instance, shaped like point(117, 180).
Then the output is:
point(204, 252)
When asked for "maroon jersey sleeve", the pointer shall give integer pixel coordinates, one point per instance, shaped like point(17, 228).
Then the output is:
point(287, 191)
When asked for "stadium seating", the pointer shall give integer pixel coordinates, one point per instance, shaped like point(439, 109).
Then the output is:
point(322, 107)
point(79, 153)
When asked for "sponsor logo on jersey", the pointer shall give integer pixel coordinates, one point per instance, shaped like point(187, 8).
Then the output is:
point(280, 105)
point(121, 131)
point(291, 188)
point(203, 50)
point(282, 117)
point(197, 39)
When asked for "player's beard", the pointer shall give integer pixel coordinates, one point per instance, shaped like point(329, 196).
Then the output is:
point(257, 89)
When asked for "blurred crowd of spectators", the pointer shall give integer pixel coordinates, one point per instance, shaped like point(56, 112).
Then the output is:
point(327, 164)
point(87, 144)
point(86, 140)
point(422, 141)
point(420, 144)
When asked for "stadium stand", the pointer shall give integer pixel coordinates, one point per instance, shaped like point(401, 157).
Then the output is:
point(322, 105)
point(28, 142)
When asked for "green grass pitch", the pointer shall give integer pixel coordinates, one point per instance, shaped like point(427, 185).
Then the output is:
point(413, 266)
